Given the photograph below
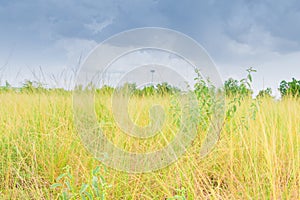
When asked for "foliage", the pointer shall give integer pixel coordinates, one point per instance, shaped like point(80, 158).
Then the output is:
point(291, 88)
point(205, 94)
point(105, 90)
point(6, 87)
point(234, 87)
point(165, 88)
point(266, 93)
point(149, 90)
point(95, 189)
point(131, 87)
point(33, 86)
point(242, 88)
point(237, 91)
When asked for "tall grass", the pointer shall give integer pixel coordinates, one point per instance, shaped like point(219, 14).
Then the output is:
point(257, 157)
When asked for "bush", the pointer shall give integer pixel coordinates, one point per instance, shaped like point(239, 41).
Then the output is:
point(290, 88)
point(234, 87)
point(265, 93)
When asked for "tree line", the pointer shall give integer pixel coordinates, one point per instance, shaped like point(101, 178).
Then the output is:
point(232, 87)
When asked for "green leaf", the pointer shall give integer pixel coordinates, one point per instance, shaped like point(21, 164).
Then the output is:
point(60, 177)
point(68, 184)
point(84, 187)
point(89, 195)
point(234, 108)
point(249, 85)
point(65, 196)
point(55, 185)
point(102, 179)
point(96, 171)
point(250, 78)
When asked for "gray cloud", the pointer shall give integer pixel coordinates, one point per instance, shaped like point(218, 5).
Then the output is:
point(235, 33)
point(241, 21)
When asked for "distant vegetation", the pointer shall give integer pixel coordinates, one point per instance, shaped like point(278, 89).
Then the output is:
point(232, 88)
point(290, 88)
point(265, 93)
point(160, 89)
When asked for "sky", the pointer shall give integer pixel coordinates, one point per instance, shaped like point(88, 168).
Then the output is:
point(51, 38)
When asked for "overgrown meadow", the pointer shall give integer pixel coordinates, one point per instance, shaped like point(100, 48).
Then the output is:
point(257, 155)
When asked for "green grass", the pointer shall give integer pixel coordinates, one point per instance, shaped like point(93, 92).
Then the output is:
point(257, 157)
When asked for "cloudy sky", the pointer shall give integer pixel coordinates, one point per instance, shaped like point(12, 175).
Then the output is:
point(263, 34)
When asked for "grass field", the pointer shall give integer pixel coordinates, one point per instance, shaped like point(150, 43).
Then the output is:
point(257, 157)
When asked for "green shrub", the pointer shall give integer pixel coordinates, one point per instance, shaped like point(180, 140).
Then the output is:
point(265, 93)
point(291, 88)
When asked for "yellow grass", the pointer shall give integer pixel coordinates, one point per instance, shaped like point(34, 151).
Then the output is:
point(254, 159)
